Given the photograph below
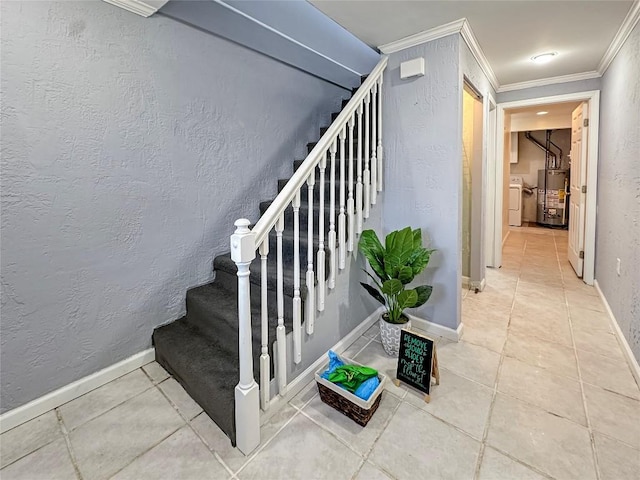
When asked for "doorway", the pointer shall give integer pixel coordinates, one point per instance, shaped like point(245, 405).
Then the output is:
point(584, 210)
point(473, 161)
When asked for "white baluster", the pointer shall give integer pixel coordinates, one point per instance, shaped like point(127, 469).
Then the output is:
point(243, 251)
point(280, 330)
point(332, 216)
point(342, 234)
point(366, 174)
point(321, 290)
point(374, 146)
point(310, 303)
point(380, 133)
point(265, 362)
point(359, 175)
point(297, 301)
point(350, 201)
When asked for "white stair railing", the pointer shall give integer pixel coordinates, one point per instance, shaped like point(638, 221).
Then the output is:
point(356, 191)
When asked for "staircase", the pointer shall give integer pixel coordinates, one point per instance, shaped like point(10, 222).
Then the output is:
point(228, 331)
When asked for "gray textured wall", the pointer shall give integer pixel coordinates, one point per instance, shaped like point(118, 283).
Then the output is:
point(550, 90)
point(618, 220)
point(129, 147)
point(423, 167)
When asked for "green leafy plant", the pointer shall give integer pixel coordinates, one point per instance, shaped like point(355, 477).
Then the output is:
point(396, 264)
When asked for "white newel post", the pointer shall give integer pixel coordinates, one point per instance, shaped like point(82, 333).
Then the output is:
point(243, 251)
point(380, 133)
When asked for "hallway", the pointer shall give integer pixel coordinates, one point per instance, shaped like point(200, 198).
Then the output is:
point(537, 388)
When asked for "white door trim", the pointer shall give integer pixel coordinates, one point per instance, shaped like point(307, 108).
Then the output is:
point(593, 97)
point(490, 163)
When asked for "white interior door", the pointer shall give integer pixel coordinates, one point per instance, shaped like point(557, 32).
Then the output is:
point(579, 139)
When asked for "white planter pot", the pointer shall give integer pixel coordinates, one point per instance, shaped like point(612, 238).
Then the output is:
point(390, 335)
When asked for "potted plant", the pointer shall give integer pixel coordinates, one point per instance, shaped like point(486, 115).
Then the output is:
point(395, 264)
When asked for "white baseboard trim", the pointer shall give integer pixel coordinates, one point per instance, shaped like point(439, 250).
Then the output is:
point(298, 383)
point(465, 282)
point(436, 329)
point(65, 394)
point(479, 286)
point(626, 349)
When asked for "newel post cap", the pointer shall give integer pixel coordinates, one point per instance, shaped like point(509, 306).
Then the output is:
point(243, 245)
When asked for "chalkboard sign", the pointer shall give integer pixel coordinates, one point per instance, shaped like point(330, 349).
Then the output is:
point(417, 362)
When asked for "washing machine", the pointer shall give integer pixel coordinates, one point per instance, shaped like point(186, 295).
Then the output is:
point(515, 200)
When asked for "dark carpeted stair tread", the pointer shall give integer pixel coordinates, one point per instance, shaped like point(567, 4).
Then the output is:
point(203, 366)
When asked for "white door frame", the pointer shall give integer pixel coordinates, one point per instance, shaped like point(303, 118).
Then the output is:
point(593, 97)
point(490, 163)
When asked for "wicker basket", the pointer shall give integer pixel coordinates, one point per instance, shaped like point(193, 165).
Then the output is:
point(357, 409)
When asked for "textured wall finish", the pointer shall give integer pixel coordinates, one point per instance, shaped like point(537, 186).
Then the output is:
point(423, 167)
point(129, 147)
point(550, 90)
point(618, 218)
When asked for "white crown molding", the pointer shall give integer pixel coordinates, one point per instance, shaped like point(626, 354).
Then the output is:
point(423, 37)
point(541, 82)
point(624, 31)
point(478, 54)
point(460, 26)
point(145, 9)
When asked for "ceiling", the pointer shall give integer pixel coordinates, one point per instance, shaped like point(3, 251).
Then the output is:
point(509, 32)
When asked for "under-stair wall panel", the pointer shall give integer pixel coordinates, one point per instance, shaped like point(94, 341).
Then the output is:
point(130, 146)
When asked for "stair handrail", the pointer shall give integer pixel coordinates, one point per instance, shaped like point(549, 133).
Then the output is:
point(269, 218)
point(246, 243)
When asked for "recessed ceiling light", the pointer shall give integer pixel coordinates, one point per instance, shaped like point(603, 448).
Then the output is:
point(544, 57)
point(542, 113)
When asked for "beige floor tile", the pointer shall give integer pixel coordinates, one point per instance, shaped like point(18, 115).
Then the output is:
point(496, 466)
point(608, 373)
point(51, 462)
point(487, 336)
point(470, 361)
point(220, 443)
point(575, 299)
point(306, 394)
point(552, 444)
point(177, 395)
point(598, 342)
point(303, 450)
point(555, 357)
point(373, 332)
point(358, 345)
point(181, 456)
point(415, 443)
point(539, 308)
point(557, 394)
point(540, 292)
point(497, 315)
point(361, 439)
point(491, 295)
point(370, 472)
point(577, 285)
point(616, 460)
point(613, 415)
point(156, 372)
point(107, 443)
point(102, 399)
point(25, 438)
point(458, 401)
point(544, 279)
point(589, 320)
point(374, 356)
point(553, 326)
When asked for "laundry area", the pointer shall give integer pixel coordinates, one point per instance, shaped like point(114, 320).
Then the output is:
point(540, 149)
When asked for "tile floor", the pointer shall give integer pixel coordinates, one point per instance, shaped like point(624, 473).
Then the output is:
point(537, 388)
